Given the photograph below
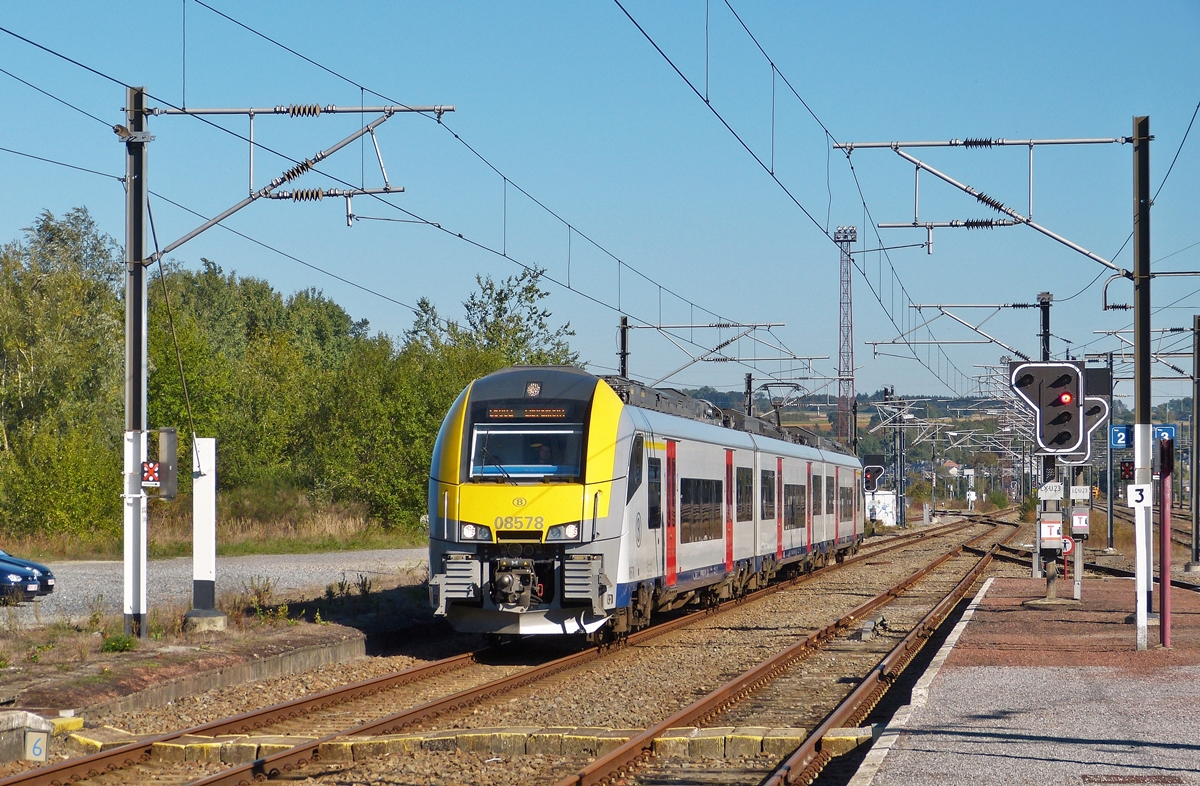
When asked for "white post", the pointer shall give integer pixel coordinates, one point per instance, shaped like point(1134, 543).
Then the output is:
point(204, 615)
point(1142, 536)
point(135, 534)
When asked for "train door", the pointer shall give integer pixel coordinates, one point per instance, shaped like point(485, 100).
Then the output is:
point(855, 493)
point(831, 522)
point(654, 508)
point(808, 503)
point(795, 505)
point(671, 535)
point(746, 538)
point(779, 506)
point(642, 535)
point(728, 510)
point(818, 505)
point(839, 525)
point(767, 505)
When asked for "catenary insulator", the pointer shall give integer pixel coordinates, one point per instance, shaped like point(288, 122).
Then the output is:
point(981, 142)
point(297, 170)
point(308, 195)
point(304, 110)
point(990, 201)
point(979, 223)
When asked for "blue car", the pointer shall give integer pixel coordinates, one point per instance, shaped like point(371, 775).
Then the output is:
point(44, 575)
point(17, 583)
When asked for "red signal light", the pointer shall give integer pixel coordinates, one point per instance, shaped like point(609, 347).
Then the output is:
point(1065, 398)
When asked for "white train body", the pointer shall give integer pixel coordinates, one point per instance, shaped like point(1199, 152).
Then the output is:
point(665, 509)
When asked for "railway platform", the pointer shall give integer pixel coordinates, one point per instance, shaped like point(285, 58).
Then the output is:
point(1058, 695)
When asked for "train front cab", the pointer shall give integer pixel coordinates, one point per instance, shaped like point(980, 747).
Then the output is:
point(523, 536)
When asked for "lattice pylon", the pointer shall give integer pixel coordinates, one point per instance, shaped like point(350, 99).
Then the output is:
point(844, 237)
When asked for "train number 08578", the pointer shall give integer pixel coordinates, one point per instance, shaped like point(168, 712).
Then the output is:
point(519, 522)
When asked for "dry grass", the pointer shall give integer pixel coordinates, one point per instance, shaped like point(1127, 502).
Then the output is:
point(1123, 536)
point(281, 521)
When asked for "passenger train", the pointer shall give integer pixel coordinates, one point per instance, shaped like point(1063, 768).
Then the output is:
point(565, 503)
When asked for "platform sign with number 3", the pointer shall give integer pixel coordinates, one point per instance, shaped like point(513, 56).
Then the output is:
point(1139, 495)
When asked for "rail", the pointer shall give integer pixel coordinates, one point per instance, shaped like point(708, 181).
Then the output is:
point(275, 764)
point(619, 761)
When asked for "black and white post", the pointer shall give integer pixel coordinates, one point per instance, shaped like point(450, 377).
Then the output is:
point(135, 499)
point(203, 615)
point(1142, 428)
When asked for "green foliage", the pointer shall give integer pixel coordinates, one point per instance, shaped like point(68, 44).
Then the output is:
point(504, 320)
point(304, 403)
point(61, 367)
point(918, 491)
point(998, 498)
point(1027, 508)
point(119, 642)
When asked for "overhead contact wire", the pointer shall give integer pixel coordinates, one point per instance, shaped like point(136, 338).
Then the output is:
point(483, 159)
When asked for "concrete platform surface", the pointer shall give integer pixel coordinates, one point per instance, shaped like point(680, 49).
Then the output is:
point(1051, 696)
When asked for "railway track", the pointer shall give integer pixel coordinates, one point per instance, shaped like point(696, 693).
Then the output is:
point(1023, 557)
point(366, 707)
point(1181, 535)
point(775, 684)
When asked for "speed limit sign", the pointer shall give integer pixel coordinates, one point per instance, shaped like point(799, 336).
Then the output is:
point(1068, 545)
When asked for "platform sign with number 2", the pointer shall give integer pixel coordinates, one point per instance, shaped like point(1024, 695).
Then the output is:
point(1139, 495)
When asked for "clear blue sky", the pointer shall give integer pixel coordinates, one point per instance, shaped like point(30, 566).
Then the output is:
point(573, 104)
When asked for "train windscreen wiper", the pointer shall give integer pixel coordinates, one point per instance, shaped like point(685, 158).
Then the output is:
point(488, 457)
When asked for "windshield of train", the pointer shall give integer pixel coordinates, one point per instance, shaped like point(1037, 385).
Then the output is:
point(518, 450)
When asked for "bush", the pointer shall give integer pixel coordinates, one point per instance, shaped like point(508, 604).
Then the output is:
point(998, 498)
point(119, 642)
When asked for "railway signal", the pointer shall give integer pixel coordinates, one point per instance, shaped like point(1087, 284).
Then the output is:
point(1096, 411)
point(873, 467)
point(163, 473)
point(1126, 470)
point(1055, 392)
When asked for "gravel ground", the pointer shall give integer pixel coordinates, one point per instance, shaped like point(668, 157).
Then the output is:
point(87, 586)
point(228, 702)
point(634, 689)
point(638, 686)
point(780, 618)
point(426, 768)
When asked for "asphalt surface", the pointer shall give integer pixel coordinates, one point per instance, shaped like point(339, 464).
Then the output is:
point(1052, 695)
point(87, 586)
point(1051, 725)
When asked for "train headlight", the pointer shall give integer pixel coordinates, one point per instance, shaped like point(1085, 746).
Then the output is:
point(475, 532)
point(564, 532)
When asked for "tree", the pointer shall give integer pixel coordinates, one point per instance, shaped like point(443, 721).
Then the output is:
point(61, 365)
point(503, 318)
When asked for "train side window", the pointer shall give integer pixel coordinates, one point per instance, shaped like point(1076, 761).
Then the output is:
point(634, 481)
point(745, 494)
point(830, 491)
point(700, 502)
point(817, 485)
point(793, 506)
point(767, 492)
point(654, 492)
